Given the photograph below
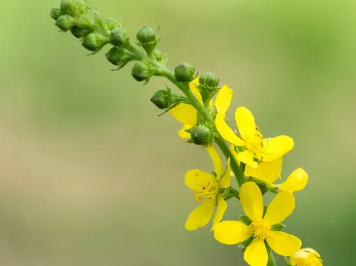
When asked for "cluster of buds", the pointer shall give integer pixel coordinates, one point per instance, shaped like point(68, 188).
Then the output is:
point(72, 15)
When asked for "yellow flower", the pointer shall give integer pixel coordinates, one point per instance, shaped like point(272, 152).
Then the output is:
point(264, 156)
point(187, 114)
point(296, 181)
point(234, 232)
point(306, 257)
point(206, 188)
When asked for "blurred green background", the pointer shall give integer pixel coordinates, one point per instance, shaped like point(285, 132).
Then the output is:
point(90, 175)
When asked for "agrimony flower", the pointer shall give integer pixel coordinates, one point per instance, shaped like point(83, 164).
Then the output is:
point(261, 228)
point(188, 115)
point(306, 257)
point(263, 155)
point(206, 188)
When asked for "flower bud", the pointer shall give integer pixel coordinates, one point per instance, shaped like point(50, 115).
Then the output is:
point(119, 56)
point(161, 99)
point(146, 34)
point(142, 71)
point(74, 8)
point(119, 37)
point(184, 72)
point(95, 41)
point(201, 135)
point(147, 38)
point(65, 22)
point(209, 79)
point(80, 32)
point(56, 13)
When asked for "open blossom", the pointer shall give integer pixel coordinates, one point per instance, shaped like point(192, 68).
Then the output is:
point(262, 156)
point(261, 228)
point(188, 115)
point(306, 257)
point(206, 188)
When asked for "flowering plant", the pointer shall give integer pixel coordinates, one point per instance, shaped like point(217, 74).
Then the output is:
point(255, 161)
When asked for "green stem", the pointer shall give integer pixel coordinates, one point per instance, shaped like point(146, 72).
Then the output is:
point(238, 171)
point(286, 260)
point(203, 111)
point(271, 260)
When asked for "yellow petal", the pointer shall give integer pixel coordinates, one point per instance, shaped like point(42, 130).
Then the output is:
point(296, 181)
point(226, 132)
point(226, 179)
point(215, 157)
point(182, 132)
point(223, 100)
point(282, 243)
point(280, 208)
point(231, 232)
point(193, 87)
point(256, 253)
point(201, 215)
point(312, 251)
point(247, 158)
point(266, 171)
point(245, 122)
point(196, 179)
point(185, 113)
point(222, 206)
point(274, 148)
point(251, 200)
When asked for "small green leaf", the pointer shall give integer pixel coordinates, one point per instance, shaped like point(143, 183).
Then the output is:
point(245, 220)
point(278, 227)
point(245, 244)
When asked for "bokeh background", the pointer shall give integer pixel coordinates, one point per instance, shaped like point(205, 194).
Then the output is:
point(90, 175)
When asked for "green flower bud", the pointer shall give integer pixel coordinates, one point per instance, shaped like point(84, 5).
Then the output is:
point(119, 37)
point(74, 8)
point(65, 22)
point(147, 38)
point(209, 79)
point(184, 72)
point(161, 99)
point(56, 13)
point(201, 135)
point(142, 71)
point(146, 34)
point(80, 32)
point(95, 41)
point(119, 56)
point(66, 6)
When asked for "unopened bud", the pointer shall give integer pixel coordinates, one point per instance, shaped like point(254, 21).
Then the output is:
point(65, 22)
point(201, 135)
point(119, 56)
point(56, 13)
point(95, 41)
point(161, 99)
point(209, 79)
point(119, 37)
point(80, 32)
point(184, 72)
point(147, 38)
point(74, 8)
point(142, 71)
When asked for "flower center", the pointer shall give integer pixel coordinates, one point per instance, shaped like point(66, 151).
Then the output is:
point(207, 191)
point(260, 229)
point(254, 142)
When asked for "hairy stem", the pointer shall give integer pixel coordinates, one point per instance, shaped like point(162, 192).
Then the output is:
point(271, 259)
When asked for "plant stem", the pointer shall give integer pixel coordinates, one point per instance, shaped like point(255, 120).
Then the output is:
point(271, 260)
point(203, 111)
point(238, 172)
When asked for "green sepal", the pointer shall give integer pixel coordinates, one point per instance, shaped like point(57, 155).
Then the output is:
point(80, 32)
point(65, 22)
point(278, 227)
point(245, 220)
point(147, 38)
point(245, 244)
point(239, 149)
point(95, 41)
point(56, 12)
